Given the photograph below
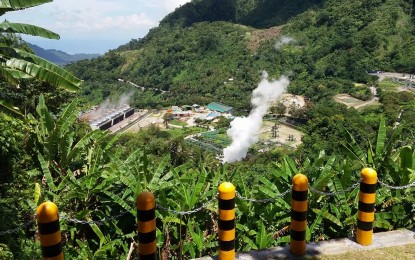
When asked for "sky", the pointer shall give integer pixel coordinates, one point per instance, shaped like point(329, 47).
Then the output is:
point(93, 26)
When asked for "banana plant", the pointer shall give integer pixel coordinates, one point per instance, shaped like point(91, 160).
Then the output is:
point(395, 165)
point(17, 64)
point(80, 178)
point(12, 5)
point(56, 139)
point(365, 154)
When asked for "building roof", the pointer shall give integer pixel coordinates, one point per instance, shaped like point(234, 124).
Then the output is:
point(219, 107)
point(212, 116)
point(182, 112)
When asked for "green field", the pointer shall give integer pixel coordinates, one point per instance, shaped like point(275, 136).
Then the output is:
point(390, 85)
point(178, 122)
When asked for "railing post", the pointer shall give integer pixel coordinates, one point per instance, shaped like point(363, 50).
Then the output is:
point(226, 221)
point(299, 206)
point(49, 231)
point(366, 212)
point(146, 215)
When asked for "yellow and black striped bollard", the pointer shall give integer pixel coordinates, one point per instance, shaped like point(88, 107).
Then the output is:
point(226, 221)
point(49, 231)
point(299, 206)
point(146, 214)
point(366, 212)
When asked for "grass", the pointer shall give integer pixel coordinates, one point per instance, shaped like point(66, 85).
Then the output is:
point(389, 85)
point(178, 122)
point(371, 106)
point(396, 252)
point(219, 140)
point(183, 132)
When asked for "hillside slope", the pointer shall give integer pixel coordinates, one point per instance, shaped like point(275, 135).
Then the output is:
point(198, 58)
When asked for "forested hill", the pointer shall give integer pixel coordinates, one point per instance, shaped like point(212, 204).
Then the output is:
point(215, 50)
point(256, 13)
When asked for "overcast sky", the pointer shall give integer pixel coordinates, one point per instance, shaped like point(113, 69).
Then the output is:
point(93, 26)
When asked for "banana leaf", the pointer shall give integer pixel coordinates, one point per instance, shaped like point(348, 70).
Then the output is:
point(7, 27)
point(14, 5)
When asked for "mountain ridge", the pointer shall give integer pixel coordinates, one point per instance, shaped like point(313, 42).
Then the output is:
point(59, 57)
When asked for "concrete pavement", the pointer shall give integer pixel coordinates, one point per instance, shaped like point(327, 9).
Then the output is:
point(332, 247)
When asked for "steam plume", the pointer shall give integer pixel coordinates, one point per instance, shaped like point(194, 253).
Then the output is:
point(244, 130)
point(109, 105)
point(283, 41)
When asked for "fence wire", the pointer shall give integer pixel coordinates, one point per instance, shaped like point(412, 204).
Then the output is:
point(96, 222)
point(263, 200)
point(18, 228)
point(176, 212)
point(203, 206)
point(68, 219)
point(336, 192)
point(397, 187)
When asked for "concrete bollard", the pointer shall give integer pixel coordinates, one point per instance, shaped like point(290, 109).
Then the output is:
point(146, 214)
point(366, 212)
point(49, 231)
point(299, 206)
point(226, 221)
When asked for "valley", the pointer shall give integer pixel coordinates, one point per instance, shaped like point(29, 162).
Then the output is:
point(246, 92)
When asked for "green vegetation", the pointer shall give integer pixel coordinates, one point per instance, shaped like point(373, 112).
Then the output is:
point(259, 14)
point(390, 85)
point(47, 154)
point(18, 64)
point(335, 46)
point(178, 122)
point(107, 176)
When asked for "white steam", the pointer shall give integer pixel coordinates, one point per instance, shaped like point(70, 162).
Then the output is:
point(108, 105)
point(283, 41)
point(244, 130)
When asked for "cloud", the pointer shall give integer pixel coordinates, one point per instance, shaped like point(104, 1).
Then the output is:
point(170, 5)
point(83, 17)
point(98, 17)
point(95, 20)
point(101, 24)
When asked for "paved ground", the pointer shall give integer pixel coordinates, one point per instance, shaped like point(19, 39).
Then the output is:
point(118, 127)
point(333, 247)
point(152, 118)
point(283, 132)
point(350, 101)
point(401, 76)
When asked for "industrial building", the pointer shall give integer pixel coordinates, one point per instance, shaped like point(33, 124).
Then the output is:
point(105, 119)
point(219, 108)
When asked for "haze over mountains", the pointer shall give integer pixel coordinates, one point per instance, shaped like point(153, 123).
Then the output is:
point(60, 58)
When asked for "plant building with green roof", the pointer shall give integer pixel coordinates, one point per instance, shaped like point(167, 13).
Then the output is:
point(220, 107)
